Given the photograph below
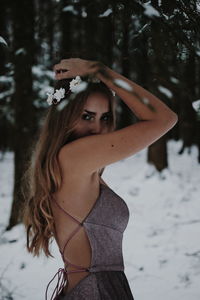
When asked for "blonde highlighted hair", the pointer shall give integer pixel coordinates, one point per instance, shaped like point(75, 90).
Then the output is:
point(43, 174)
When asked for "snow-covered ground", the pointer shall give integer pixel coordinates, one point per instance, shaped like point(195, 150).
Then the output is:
point(161, 243)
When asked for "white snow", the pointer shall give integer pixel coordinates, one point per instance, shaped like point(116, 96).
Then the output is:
point(150, 11)
point(83, 12)
point(165, 91)
point(198, 52)
point(4, 95)
point(2, 41)
point(20, 51)
point(161, 242)
point(174, 80)
point(6, 79)
point(106, 13)
point(123, 84)
point(145, 100)
point(40, 71)
point(196, 105)
point(71, 9)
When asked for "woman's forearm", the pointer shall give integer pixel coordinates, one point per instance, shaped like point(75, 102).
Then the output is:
point(162, 112)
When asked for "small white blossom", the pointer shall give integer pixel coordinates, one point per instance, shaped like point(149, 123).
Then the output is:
point(74, 83)
point(59, 94)
point(80, 87)
point(76, 86)
point(50, 98)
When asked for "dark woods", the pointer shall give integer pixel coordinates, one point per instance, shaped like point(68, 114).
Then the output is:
point(156, 43)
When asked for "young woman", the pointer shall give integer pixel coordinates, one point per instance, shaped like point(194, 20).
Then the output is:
point(67, 199)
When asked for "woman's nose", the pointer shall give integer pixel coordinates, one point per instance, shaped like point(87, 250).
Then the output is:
point(96, 128)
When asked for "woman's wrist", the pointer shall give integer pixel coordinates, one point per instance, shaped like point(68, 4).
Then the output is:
point(95, 67)
point(104, 74)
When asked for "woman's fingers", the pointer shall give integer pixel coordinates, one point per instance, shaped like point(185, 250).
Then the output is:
point(63, 64)
point(63, 75)
point(61, 70)
point(72, 67)
point(58, 67)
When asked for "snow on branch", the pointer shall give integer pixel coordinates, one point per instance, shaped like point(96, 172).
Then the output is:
point(196, 105)
point(165, 91)
point(106, 13)
point(71, 9)
point(150, 11)
point(2, 41)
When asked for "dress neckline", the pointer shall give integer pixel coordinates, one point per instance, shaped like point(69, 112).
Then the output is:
point(101, 185)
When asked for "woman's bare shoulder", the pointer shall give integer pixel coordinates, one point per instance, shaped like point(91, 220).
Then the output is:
point(91, 153)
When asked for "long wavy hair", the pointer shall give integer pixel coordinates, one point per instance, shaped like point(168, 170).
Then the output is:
point(43, 175)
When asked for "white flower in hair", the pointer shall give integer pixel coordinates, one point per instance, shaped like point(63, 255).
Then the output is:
point(50, 98)
point(74, 84)
point(59, 94)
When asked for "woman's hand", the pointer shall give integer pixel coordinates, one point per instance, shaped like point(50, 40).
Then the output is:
point(72, 67)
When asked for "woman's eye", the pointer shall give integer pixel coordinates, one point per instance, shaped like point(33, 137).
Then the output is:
point(86, 117)
point(105, 118)
point(89, 118)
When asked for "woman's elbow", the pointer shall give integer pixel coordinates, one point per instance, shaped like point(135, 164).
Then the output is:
point(172, 120)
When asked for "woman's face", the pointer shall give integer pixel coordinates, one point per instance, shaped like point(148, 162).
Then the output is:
point(95, 117)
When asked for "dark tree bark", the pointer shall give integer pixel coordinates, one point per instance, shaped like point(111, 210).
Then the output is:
point(23, 21)
point(126, 116)
point(187, 113)
point(67, 31)
point(91, 33)
point(106, 33)
point(50, 15)
point(4, 35)
point(45, 12)
point(157, 154)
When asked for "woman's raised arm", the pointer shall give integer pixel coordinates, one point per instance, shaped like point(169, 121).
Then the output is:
point(142, 112)
point(100, 150)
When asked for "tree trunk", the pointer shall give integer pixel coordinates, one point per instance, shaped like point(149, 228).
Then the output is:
point(23, 22)
point(126, 117)
point(157, 154)
point(4, 35)
point(67, 31)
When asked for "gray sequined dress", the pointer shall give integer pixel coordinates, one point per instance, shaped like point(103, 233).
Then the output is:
point(104, 225)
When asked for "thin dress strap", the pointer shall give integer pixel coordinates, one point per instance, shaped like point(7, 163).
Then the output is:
point(80, 224)
point(63, 272)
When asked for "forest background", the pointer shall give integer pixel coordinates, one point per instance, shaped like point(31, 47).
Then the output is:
point(155, 43)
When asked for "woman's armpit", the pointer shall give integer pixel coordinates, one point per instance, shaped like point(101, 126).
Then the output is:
point(91, 153)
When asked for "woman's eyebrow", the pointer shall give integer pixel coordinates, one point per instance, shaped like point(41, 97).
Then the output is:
point(93, 113)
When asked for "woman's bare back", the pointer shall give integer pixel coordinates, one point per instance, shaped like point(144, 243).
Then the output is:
point(77, 198)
